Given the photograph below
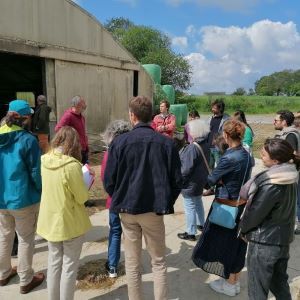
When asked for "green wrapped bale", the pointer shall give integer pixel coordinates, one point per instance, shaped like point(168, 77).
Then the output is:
point(184, 113)
point(176, 110)
point(170, 92)
point(159, 94)
point(154, 71)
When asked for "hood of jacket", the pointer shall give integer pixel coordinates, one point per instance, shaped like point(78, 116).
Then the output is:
point(9, 135)
point(55, 160)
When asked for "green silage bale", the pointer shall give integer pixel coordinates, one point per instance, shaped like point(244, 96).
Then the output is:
point(154, 71)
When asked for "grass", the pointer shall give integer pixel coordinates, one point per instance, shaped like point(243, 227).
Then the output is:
point(249, 104)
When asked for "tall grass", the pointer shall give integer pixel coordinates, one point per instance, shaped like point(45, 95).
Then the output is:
point(249, 104)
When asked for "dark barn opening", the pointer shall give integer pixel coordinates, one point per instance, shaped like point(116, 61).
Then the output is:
point(19, 73)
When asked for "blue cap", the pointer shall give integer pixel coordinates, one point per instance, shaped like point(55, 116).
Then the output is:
point(21, 107)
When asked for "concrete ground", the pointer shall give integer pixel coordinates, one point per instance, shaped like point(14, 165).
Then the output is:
point(184, 279)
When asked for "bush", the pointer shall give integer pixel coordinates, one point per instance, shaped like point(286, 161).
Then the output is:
point(249, 104)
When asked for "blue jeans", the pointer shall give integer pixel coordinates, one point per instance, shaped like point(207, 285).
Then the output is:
point(114, 239)
point(194, 213)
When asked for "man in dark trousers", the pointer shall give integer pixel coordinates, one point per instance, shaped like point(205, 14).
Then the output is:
point(283, 122)
point(40, 123)
point(73, 117)
point(216, 122)
point(144, 179)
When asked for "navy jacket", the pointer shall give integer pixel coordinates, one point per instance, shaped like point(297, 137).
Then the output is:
point(193, 169)
point(230, 171)
point(143, 172)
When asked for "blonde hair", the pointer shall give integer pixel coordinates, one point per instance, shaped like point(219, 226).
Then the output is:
point(67, 139)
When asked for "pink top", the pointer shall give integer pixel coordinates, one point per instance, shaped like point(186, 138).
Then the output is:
point(103, 166)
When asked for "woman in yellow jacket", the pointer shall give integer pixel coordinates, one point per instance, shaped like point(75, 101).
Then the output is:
point(63, 220)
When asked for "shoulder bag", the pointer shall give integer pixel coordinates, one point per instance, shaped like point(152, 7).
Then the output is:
point(225, 214)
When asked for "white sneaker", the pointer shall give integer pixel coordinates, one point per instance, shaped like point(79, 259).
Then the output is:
point(237, 287)
point(223, 287)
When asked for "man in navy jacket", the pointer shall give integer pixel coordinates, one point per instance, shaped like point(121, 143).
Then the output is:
point(144, 179)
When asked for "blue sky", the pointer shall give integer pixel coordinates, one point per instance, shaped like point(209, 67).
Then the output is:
point(229, 43)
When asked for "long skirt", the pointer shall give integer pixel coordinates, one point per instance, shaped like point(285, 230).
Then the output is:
point(219, 251)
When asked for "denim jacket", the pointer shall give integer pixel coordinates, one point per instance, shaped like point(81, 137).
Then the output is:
point(231, 172)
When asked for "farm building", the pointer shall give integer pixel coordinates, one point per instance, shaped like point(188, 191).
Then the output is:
point(56, 48)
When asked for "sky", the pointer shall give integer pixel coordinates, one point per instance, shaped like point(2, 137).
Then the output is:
point(228, 43)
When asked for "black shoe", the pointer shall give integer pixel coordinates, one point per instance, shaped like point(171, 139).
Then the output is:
point(200, 227)
point(186, 236)
point(89, 203)
point(297, 231)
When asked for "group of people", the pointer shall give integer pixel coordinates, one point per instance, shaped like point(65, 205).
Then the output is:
point(143, 173)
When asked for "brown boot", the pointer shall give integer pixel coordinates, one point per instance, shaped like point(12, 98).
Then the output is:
point(5, 281)
point(37, 279)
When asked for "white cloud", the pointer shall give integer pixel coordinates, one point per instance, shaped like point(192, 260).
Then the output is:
point(191, 30)
point(180, 42)
point(235, 57)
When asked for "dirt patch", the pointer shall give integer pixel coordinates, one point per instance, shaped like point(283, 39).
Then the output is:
point(97, 194)
point(93, 275)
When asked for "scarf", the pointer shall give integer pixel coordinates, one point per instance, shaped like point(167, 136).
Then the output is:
point(281, 174)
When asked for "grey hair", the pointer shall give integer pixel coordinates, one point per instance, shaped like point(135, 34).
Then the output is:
point(114, 129)
point(75, 100)
point(41, 98)
point(198, 128)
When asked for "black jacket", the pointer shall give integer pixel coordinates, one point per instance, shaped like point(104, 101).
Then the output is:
point(270, 218)
point(143, 172)
point(40, 121)
point(193, 169)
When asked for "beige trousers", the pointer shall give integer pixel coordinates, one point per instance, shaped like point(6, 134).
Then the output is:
point(23, 221)
point(152, 227)
point(63, 262)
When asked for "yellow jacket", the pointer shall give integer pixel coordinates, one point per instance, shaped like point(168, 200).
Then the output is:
point(62, 213)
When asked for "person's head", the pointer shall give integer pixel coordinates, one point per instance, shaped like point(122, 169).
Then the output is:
point(284, 118)
point(114, 129)
point(41, 99)
point(67, 139)
point(221, 144)
point(19, 113)
point(78, 104)
point(277, 151)
point(233, 131)
point(218, 107)
point(193, 114)
point(164, 106)
point(240, 115)
point(198, 129)
point(140, 110)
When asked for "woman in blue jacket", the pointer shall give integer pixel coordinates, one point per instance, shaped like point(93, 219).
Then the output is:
point(219, 251)
point(20, 193)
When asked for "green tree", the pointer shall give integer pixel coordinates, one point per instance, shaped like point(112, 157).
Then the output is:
point(265, 86)
point(151, 46)
point(175, 69)
point(239, 92)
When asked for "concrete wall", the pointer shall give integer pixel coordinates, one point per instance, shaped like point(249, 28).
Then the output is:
point(81, 57)
point(59, 23)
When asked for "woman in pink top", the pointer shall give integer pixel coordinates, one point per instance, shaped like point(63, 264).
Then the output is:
point(114, 129)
